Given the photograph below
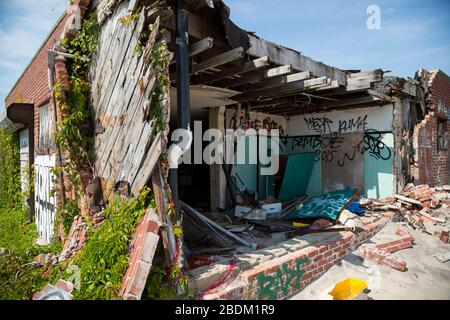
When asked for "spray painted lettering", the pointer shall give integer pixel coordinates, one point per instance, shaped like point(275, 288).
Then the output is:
point(245, 123)
point(283, 279)
point(323, 125)
point(319, 125)
point(327, 147)
point(359, 124)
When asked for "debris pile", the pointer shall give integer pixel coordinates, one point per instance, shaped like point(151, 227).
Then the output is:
point(74, 242)
point(422, 207)
point(382, 253)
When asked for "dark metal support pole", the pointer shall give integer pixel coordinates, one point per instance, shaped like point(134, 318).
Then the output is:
point(182, 59)
point(183, 74)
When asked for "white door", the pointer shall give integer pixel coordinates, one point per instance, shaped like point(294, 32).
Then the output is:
point(45, 204)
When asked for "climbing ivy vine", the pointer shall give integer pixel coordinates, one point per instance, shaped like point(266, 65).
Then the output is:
point(73, 134)
point(10, 193)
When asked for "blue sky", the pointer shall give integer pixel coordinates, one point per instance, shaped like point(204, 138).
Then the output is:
point(413, 34)
point(24, 25)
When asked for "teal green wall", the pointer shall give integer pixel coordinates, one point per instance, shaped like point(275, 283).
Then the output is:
point(246, 172)
point(313, 185)
point(378, 173)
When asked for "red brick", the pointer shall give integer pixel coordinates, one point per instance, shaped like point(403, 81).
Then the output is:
point(383, 257)
point(382, 246)
point(311, 251)
point(402, 246)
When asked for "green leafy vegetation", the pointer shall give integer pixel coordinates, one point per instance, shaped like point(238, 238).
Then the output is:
point(104, 259)
point(157, 286)
point(73, 135)
point(18, 278)
point(10, 193)
point(160, 59)
point(127, 20)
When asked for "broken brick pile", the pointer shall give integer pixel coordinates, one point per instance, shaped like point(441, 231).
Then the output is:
point(76, 238)
point(422, 207)
point(74, 242)
point(284, 276)
point(382, 253)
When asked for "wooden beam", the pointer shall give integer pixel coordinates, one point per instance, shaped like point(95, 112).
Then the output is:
point(201, 46)
point(282, 55)
point(161, 208)
point(246, 67)
point(260, 76)
point(219, 60)
point(280, 81)
point(218, 183)
point(283, 90)
point(363, 80)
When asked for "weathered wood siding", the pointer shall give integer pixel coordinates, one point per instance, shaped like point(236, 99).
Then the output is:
point(126, 145)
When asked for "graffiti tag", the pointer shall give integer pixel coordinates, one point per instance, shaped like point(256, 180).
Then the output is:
point(281, 281)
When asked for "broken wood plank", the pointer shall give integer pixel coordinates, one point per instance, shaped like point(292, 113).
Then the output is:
point(219, 60)
point(167, 236)
point(216, 226)
point(363, 80)
point(408, 200)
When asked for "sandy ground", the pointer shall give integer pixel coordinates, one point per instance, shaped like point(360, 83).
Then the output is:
point(426, 277)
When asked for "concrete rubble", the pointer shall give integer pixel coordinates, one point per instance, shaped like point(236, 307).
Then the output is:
point(423, 208)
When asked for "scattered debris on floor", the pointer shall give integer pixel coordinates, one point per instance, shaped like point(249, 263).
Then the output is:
point(443, 257)
point(424, 208)
point(382, 252)
point(426, 276)
point(74, 242)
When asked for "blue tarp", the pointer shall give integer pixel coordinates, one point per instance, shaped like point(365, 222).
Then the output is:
point(355, 208)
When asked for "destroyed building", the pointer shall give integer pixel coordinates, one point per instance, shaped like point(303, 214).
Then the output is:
point(344, 135)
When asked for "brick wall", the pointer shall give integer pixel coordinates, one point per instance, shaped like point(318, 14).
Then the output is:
point(285, 276)
point(431, 164)
point(33, 85)
point(144, 244)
